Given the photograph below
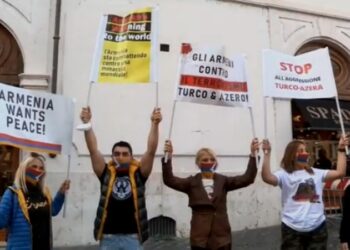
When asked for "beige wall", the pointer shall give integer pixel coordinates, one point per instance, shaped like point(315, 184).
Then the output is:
point(123, 112)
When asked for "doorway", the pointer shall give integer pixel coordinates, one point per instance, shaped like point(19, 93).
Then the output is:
point(11, 65)
point(324, 136)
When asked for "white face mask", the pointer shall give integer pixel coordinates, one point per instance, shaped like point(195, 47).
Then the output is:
point(120, 165)
point(115, 160)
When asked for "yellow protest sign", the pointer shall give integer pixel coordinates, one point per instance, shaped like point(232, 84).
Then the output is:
point(124, 48)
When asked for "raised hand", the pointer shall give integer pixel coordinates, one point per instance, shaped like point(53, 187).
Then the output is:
point(168, 148)
point(156, 116)
point(343, 142)
point(266, 146)
point(85, 114)
point(254, 147)
point(64, 186)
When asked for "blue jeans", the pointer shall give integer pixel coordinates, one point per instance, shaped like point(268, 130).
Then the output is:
point(120, 242)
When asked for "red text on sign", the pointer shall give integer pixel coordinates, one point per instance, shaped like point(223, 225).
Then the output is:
point(299, 69)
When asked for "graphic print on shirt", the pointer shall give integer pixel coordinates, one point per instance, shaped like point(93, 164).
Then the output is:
point(307, 192)
point(35, 205)
point(209, 187)
point(122, 188)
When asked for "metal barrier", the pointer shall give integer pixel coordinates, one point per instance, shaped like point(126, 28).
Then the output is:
point(332, 196)
point(162, 226)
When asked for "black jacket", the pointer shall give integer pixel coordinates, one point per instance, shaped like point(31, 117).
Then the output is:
point(345, 222)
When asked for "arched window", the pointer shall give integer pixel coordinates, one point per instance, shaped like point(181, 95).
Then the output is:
point(340, 57)
point(11, 65)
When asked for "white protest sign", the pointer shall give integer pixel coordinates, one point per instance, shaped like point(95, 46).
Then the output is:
point(208, 76)
point(35, 120)
point(305, 76)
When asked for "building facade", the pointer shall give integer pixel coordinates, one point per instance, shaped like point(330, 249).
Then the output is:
point(49, 45)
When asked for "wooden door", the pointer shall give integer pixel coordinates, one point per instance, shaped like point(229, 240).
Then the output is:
point(11, 65)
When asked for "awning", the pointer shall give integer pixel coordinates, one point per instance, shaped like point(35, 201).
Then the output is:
point(321, 114)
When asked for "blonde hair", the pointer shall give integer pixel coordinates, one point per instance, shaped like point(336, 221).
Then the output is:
point(20, 177)
point(203, 151)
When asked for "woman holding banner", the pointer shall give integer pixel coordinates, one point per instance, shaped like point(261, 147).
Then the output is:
point(26, 207)
point(303, 219)
point(207, 190)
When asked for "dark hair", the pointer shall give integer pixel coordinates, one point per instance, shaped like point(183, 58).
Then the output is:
point(322, 153)
point(123, 144)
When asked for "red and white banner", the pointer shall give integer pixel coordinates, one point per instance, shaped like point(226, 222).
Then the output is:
point(305, 76)
point(35, 120)
point(208, 76)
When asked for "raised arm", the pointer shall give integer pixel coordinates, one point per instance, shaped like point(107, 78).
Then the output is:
point(177, 183)
point(266, 173)
point(249, 176)
point(59, 198)
point(341, 161)
point(152, 143)
point(97, 160)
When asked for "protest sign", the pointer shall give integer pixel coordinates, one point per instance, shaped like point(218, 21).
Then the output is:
point(35, 120)
point(305, 76)
point(125, 48)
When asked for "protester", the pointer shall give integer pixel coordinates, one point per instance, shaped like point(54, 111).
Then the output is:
point(345, 221)
point(207, 191)
point(26, 207)
point(121, 220)
point(323, 162)
point(303, 218)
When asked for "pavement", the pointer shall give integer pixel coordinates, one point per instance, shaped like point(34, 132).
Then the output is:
point(267, 238)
